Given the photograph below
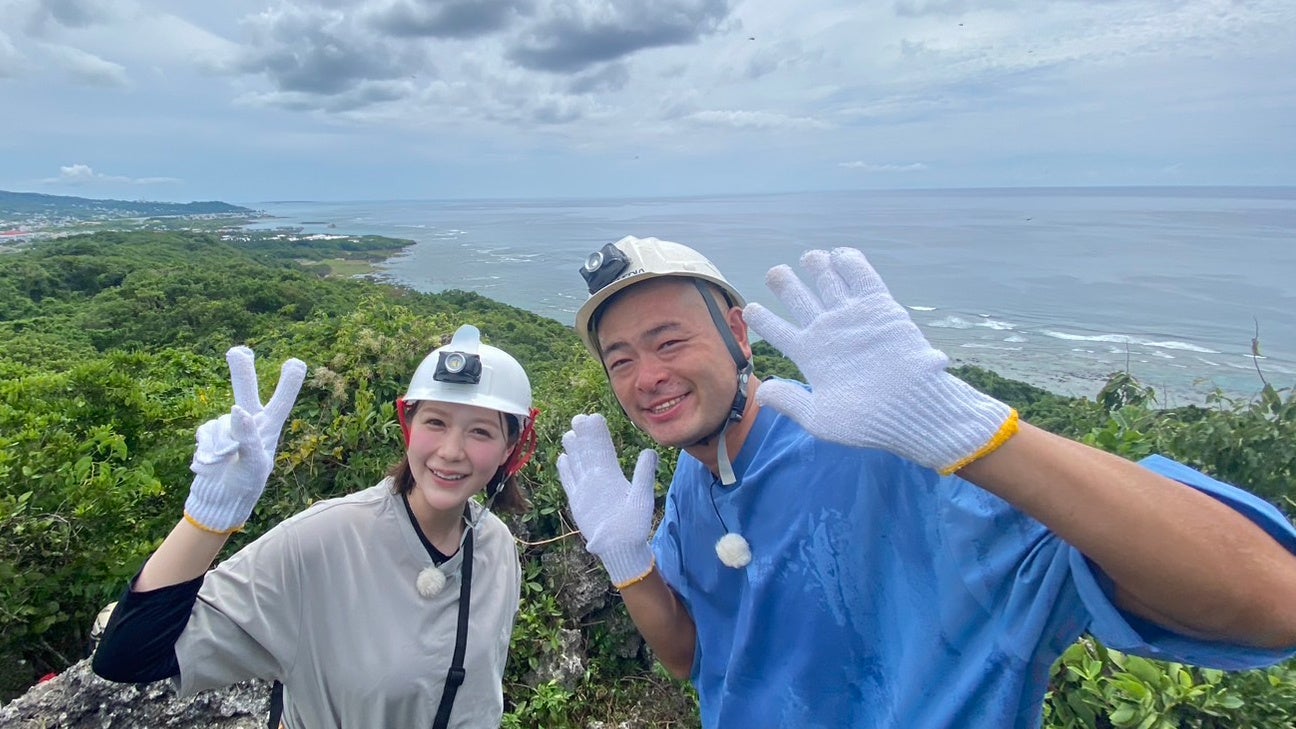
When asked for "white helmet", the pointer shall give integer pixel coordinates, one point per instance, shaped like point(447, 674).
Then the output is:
point(632, 260)
point(467, 372)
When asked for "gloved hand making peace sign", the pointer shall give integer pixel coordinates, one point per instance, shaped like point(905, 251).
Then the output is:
point(236, 451)
point(876, 381)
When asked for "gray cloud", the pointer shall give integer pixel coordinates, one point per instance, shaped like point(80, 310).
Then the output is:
point(315, 51)
point(914, 8)
point(779, 56)
point(583, 34)
point(321, 56)
point(522, 103)
point(87, 68)
point(918, 8)
point(358, 96)
point(612, 77)
point(447, 18)
point(557, 110)
point(76, 13)
point(11, 61)
point(67, 13)
point(761, 120)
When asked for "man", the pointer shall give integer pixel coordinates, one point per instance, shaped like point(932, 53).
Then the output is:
point(887, 546)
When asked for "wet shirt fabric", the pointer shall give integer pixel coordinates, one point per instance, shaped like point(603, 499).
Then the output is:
point(326, 602)
point(881, 594)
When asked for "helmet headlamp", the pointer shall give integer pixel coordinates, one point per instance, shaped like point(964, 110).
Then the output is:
point(460, 367)
point(604, 266)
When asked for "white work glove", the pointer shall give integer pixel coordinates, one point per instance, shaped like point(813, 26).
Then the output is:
point(614, 514)
point(236, 451)
point(876, 381)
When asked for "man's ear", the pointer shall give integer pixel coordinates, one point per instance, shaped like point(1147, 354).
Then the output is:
point(738, 326)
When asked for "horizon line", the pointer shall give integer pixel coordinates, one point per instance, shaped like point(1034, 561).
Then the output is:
point(887, 190)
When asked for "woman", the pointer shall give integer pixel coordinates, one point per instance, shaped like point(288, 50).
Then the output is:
point(392, 606)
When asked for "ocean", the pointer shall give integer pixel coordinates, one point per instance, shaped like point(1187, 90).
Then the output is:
point(1059, 287)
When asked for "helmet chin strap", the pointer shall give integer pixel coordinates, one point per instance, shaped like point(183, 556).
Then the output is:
point(733, 549)
point(739, 404)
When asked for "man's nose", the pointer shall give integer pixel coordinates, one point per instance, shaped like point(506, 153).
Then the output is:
point(650, 374)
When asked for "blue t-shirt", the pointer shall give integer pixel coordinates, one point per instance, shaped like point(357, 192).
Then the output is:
point(881, 594)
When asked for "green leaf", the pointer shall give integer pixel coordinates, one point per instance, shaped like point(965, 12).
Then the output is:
point(1123, 716)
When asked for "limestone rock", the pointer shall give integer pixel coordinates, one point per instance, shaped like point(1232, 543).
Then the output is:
point(578, 581)
point(564, 664)
point(78, 699)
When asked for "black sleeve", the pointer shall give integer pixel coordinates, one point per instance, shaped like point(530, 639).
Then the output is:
point(138, 644)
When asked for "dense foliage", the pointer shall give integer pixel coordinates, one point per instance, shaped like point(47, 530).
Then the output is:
point(111, 358)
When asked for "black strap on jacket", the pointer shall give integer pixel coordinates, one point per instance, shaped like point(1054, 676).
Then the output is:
point(276, 705)
point(455, 677)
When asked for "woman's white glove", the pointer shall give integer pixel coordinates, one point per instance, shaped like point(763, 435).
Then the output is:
point(236, 451)
point(614, 514)
point(876, 381)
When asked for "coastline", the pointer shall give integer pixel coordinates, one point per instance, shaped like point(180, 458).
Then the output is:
point(341, 246)
point(1066, 373)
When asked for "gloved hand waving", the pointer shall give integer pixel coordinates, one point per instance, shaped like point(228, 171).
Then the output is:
point(876, 381)
point(614, 514)
point(236, 451)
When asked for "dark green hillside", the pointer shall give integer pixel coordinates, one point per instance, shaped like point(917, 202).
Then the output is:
point(111, 355)
point(31, 203)
point(148, 291)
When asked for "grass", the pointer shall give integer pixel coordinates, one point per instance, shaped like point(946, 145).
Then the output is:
point(346, 268)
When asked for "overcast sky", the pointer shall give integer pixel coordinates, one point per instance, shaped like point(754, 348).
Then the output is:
point(249, 100)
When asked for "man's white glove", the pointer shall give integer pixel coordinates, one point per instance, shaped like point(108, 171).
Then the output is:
point(614, 514)
point(876, 381)
point(236, 451)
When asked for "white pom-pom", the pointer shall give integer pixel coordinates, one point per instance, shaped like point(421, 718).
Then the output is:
point(734, 551)
point(430, 581)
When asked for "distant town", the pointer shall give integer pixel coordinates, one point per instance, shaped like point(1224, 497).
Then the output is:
point(29, 218)
point(26, 217)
